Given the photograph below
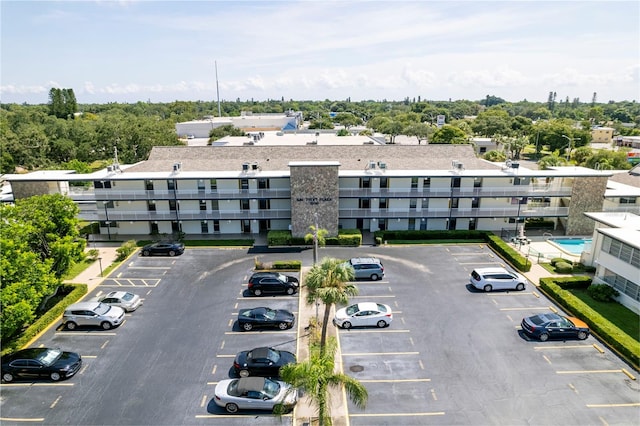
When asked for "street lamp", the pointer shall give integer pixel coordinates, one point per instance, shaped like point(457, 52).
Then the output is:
point(568, 146)
point(100, 263)
point(518, 217)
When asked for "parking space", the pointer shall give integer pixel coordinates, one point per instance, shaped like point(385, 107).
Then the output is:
point(452, 355)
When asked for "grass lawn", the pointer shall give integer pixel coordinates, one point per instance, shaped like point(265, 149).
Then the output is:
point(77, 268)
point(622, 317)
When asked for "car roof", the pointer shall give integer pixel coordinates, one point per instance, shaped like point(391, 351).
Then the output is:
point(367, 306)
point(246, 384)
point(262, 352)
point(116, 294)
point(549, 317)
point(365, 260)
point(84, 305)
point(491, 270)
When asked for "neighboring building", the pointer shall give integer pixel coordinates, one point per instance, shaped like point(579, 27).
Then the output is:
point(484, 145)
point(615, 251)
point(602, 134)
point(277, 184)
point(628, 141)
point(623, 192)
point(247, 121)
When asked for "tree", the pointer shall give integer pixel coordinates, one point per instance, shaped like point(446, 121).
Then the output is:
point(551, 161)
point(420, 130)
point(392, 128)
point(317, 374)
point(514, 146)
point(329, 282)
point(492, 122)
point(495, 156)
point(449, 134)
point(347, 119)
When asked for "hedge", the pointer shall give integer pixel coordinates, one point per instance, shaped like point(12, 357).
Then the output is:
point(624, 344)
point(45, 320)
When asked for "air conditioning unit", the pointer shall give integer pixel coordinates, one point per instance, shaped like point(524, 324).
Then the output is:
point(382, 165)
point(515, 165)
point(254, 166)
point(372, 164)
point(245, 167)
point(460, 166)
point(177, 167)
point(109, 169)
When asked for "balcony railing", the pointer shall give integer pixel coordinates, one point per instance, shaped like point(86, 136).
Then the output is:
point(455, 213)
point(115, 195)
point(144, 215)
point(533, 191)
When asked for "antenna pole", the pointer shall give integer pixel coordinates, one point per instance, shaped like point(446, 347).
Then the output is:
point(217, 88)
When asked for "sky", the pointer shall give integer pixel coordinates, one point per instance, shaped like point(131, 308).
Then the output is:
point(163, 51)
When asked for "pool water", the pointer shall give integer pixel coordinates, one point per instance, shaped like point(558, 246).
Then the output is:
point(572, 245)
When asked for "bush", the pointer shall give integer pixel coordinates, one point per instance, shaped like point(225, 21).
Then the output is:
point(126, 249)
point(564, 268)
point(602, 292)
point(557, 260)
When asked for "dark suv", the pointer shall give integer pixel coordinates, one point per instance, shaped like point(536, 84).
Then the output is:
point(272, 283)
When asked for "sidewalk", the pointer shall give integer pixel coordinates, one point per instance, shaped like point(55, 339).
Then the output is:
point(93, 275)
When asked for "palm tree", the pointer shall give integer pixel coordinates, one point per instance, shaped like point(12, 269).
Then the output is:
point(319, 238)
point(329, 282)
point(317, 374)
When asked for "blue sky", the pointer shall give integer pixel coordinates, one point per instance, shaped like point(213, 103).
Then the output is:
point(162, 51)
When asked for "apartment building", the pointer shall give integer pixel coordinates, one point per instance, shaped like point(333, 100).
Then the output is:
point(616, 254)
point(286, 182)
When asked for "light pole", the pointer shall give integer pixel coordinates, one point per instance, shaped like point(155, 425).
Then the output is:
point(100, 263)
point(518, 217)
point(568, 146)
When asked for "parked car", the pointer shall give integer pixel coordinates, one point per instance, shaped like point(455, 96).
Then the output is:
point(263, 361)
point(553, 326)
point(95, 314)
point(369, 268)
point(36, 363)
point(262, 317)
point(255, 393)
point(488, 279)
point(363, 314)
point(127, 301)
point(171, 249)
point(272, 283)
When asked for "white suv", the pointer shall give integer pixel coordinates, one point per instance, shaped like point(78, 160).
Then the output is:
point(95, 314)
point(488, 279)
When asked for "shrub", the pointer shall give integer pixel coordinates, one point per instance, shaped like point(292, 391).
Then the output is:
point(564, 268)
point(602, 292)
point(126, 249)
point(93, 255)
point(557, 260)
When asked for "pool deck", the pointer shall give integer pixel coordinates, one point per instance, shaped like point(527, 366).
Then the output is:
point(541, 251)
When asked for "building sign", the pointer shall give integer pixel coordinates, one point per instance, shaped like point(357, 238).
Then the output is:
point(440, 120)
point(314, 200)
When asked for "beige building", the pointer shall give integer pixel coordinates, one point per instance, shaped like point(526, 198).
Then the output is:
point(602, 134)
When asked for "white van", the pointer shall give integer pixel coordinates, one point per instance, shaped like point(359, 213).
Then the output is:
point(488, 279)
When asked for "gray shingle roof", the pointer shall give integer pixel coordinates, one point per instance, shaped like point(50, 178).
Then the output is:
point(275, 158)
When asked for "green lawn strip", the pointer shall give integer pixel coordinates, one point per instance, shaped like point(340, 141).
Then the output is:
point(619, 315)
point(76, 269)
point(461, 241)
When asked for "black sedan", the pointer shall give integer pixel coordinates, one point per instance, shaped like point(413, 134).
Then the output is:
point(265, 362)
point(170, 249)
point(37, 363)
point(263, 317)
point(272, 283)
point(554, 326)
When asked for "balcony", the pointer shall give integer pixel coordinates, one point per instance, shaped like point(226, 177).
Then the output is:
point(144, 215)
point(534, 191)
point(183, 194)
point(455, 213)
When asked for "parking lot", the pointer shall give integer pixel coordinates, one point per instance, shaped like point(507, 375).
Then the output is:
point(453, 355)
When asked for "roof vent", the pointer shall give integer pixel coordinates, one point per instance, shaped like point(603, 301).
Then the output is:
point(177, 167)
point(372, 165)
point(254, 166)
point(382, 164)
point(245, 167)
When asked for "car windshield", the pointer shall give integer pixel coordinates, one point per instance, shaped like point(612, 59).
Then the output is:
point(271, 388)
point(49, 356)
point(351, 310)
point(382, 308)
point(102, 309)
point(282, 278)
point(127, 297)
point(270, 313)
point(565, 322)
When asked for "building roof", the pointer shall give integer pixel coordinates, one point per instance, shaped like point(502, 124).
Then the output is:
point(628, 236)
point(616, 219)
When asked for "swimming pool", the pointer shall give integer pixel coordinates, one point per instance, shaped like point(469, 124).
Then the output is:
point(572, 245)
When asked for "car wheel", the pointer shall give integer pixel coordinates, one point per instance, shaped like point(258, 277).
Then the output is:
point(374, 277)
point(244, 373)
point(247, 326)
point(172, 253)
point(290, 291)
point(145, 253)
point(7, 377)
point(231, 408)
point(55, 376)
point(257, 292)
point(543, 337)
point(283, 326)
point(106, 325)
point(520, 287)
point(487, 288)
point(71, 325)
point(582, 335)
point(346, 325)
point(382, 324)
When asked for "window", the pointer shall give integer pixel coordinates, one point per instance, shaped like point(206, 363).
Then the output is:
point(413, 203)
point(108, 204)
point(426, 183)
point(151, 206)
point(102, 184)
point(244, 204)
point(477, 182)
point(216, 226)
point(203, 205)
point(213, 184)
point(244, 184)
point(414, 183)
point(475, 203)
point(200, 185)
point(148, 184)
point(384, 182)
point(173, 205)
point(263, 183)
point(204, 227)
point(383, 203)
point(364, 203)
point(214, 205)
point(172, 185)
point(425, 203)
point(627, 200)
point(365, 182)
point(455, 182)
point(264, 204)
point(454, 203)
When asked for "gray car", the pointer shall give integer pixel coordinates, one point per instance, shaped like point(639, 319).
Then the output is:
point(95, 314)
point(369, 268)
